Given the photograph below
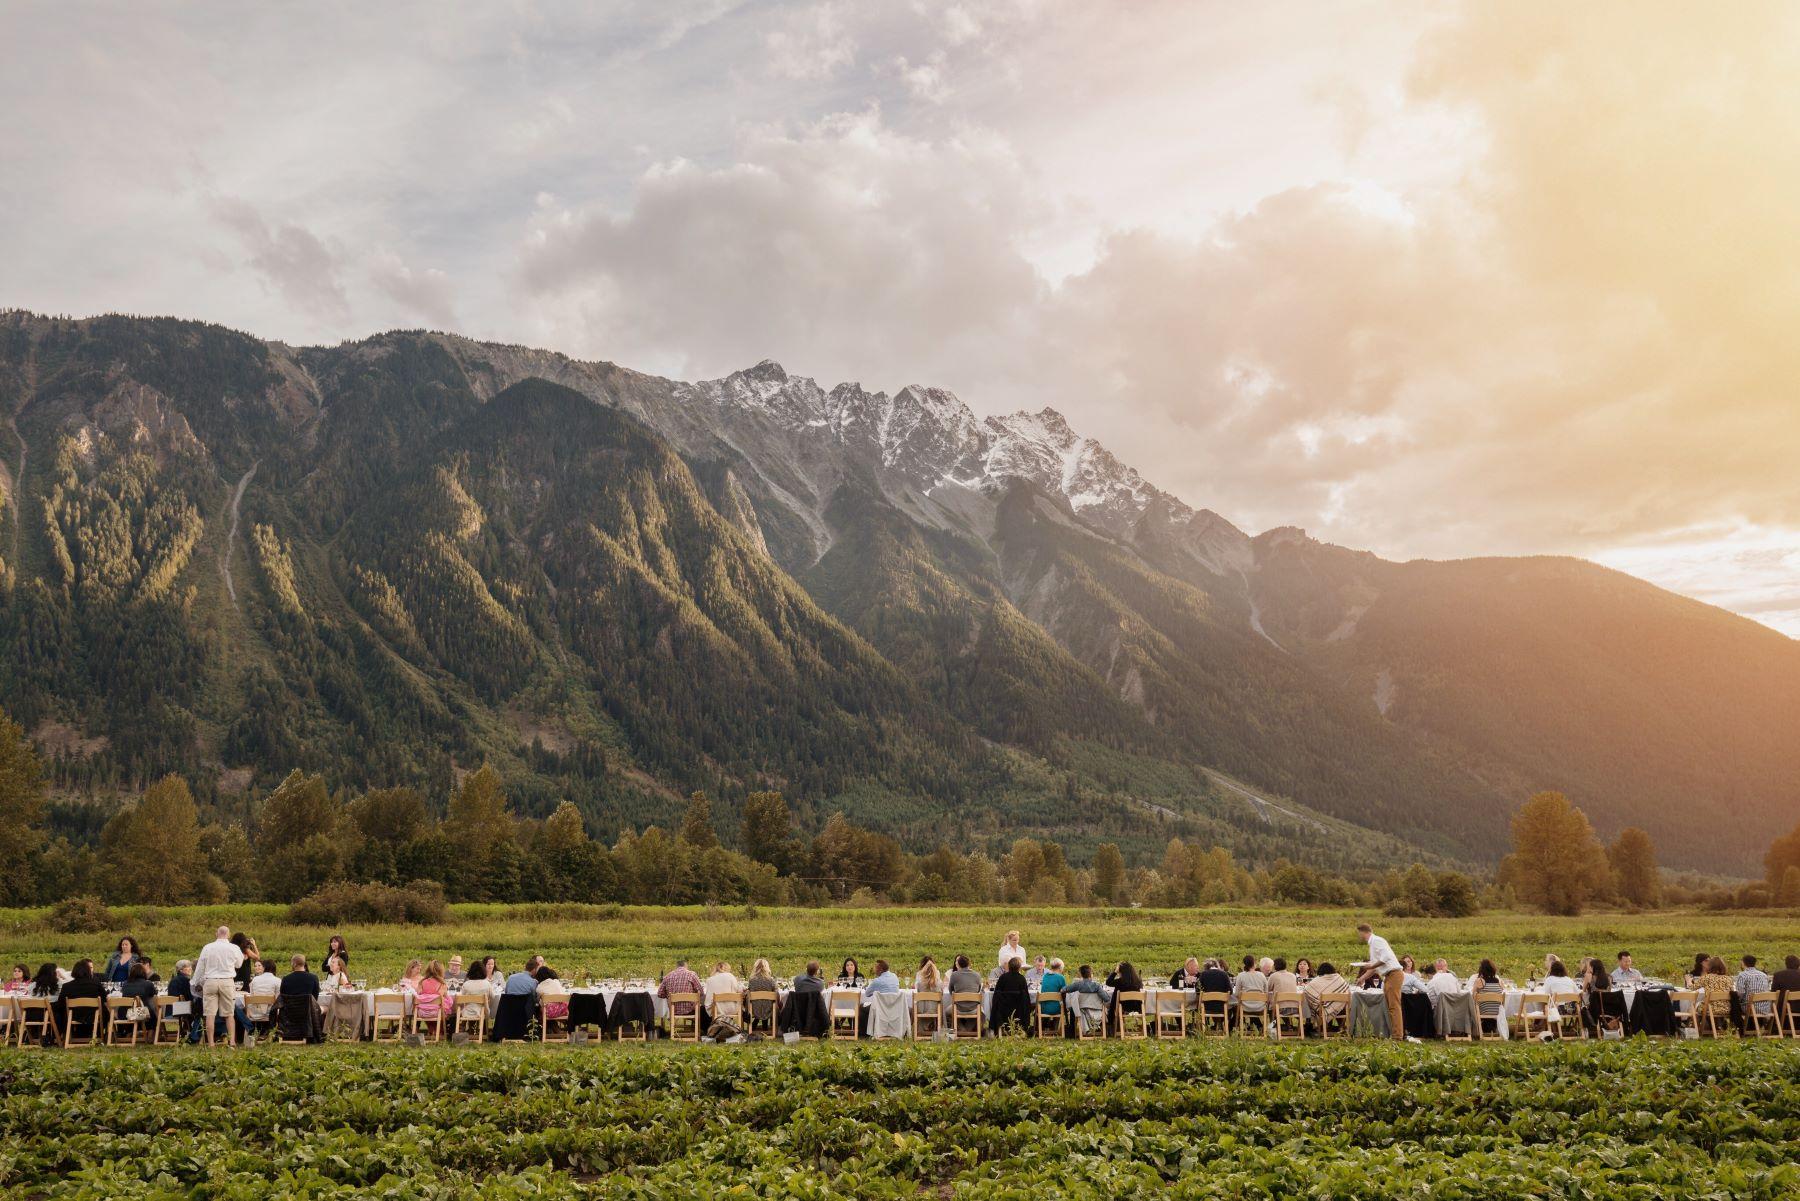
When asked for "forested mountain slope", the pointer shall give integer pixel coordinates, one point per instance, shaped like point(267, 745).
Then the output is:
point(393, 559)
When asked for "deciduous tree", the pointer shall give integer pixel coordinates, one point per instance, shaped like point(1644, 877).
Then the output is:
point(1557, 863)
point(1633, 859)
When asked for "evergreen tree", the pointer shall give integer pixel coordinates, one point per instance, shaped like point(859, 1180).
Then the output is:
point(304, 838)
point(21, 809)
point(1109, 873)
point(1633, 859)
point(767, 829)
point(479, 821)
point(696, 826)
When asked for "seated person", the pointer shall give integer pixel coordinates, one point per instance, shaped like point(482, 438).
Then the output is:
point(1214, 978)
point(964, 979)
point(1011, 1003)
point(260, 996)
point(552, 996)
point(1124, 978)
point(1035, 977)
point(300, 992)
point(885, 981)
point(682, 979)
point(1280, 979)
point(722, 980)
point(1751, 979)
point(1410, 980)
point(1303, 970)
point(1626, 973)
point(1719, 991)
point(929, 980)
point(813, 980)
point(524, 982)
point(1327, 983)
point(1251, 979)
point(335, 977)
point(1443, 982)
point(1486, 976)
point(762, 979)
point(1786, 979)
point(1561, 988)
point(415, 972)
point(265, 983)
point(850, 976)
point(82, 984)
point(143, 990)
point(1187, 975)
point(455, 974)
point(476, 983)
point(432, 1002)
point(1054, 981)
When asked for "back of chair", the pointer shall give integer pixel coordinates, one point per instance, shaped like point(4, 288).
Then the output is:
point(1490, 1002)
point(1170, 1002)
point(389, 1004)
point(1287, 1001)
point(845, 1000)
point(258, 1006)
point(727, 1005)
point(75, 1005)
point(470, 1006)
point(1253, 1000)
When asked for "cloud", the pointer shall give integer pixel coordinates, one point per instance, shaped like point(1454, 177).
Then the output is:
point(289, 258)
point(425, 292)
point(813, 43)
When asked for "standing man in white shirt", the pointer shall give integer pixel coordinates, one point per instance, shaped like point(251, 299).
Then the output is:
point(1383, 965)
point(215, 980)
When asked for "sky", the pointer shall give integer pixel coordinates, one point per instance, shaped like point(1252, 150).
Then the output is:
point(1425, 279)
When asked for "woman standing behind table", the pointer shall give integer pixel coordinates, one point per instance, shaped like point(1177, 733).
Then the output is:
point(1011, 950)
point(118, 964)
point(340, 949)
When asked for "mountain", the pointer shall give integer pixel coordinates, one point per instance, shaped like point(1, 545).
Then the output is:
point(392, 559)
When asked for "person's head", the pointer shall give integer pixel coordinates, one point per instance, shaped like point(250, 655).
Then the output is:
point(813, 969)
point(1014, 964)
point(241, 941)
point(1715, 966)
point(1012, 938)
point(881, 967)
point(1440, 965)
point(1192, 965)
point(721, 967)
point(1249, 963)
point(1557, 969)
point(1406, 961)
point(223, 934)
point(1128, 976)
point(479, 970)
point(1280, 964)
point(849, 969)
point(1749, 961)
point(128, 948)
point(1325, 969)
point(1303, 966)
point(140, 971)
point(962, 963)
point(414, 968)
point(1040, 963)
point(83, 970)
point(545, 972)
point(184, 967)
point(1793, 963)
point(538, 961)
point(434, 971)
point(45, 982)
point(1056, 965)
point(927, 962)
point(1265, 965)
point(1625, 960)
point(1699, 964)
point(1550, 961)
point(1487, 971)
point(20, 974)
point(488, 966)
point(268, 966)
point(455, 966)
point(760, 968)
point(1085, 971)
point(337, 944)
point(1364, 931)
point(297, 963)
point(334, 964)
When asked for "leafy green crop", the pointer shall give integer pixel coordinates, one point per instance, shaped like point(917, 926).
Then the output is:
point(995, 1120)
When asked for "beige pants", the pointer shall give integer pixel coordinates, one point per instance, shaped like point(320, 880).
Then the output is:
point(1390, 991)
point(219, 998)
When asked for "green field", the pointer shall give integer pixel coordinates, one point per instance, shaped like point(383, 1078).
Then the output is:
point(1007, 1120)
point(613, 941)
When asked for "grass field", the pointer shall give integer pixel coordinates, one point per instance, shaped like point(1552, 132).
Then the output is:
point(633, 941)
point(998, 1120)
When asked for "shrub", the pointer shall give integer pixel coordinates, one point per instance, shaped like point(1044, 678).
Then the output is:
point(81, 915)
point(420, 903)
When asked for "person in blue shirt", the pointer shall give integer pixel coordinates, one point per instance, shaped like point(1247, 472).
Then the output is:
point(119, 963)
point(884, 982)
point(524, 982)
point(1054, 981)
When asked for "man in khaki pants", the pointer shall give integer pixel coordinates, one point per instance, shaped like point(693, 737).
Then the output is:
point(1383, 965)
point(215, 982)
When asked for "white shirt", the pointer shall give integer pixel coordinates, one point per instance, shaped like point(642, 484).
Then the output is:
point(1444, 984)
point(1381, 956)
point(219, 960)
point(720, 982)
point(1008, 953)
point(1558, 986)
point(265, 984)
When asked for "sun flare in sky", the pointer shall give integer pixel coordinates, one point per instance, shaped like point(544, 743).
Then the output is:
point(1434, 280)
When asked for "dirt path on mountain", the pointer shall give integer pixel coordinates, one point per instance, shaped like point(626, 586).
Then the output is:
point(237, 499)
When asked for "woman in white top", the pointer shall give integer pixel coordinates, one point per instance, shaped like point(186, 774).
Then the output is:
point(265, 983)
point(415, 972)
point(1011, 950)
point(722, 981)
point(334, 977)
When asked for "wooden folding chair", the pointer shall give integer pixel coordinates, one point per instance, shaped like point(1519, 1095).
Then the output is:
point(388, 1022)
point(1708, 1021)
point(1050, 1025)
point(1565, 1016)
point(1135, 1024)
point(1170, 1014)
point(1288, 1006)
point(469, 1015)
point(1333, 1009)
point(9, 1020)
point(684, 1027)
point(36, 1021)
point(1532, 1015)
point(1085, 1022)
point(258, 1011)
point(965, 1014)
point(1259, 1015)
point(118, 1025)
point(283, 1002)
point(1213, 1017)
point(727, 1007)
point(761, 996)
point(846, 1010)
point(1788, 1006)
point(88, 1005)
point(1761, 1019)
point(553, 1029)
point(928, 1015)
point(432, 1022)
point(1689, 1018)
point(172, 1017)
point(1490, 1006)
